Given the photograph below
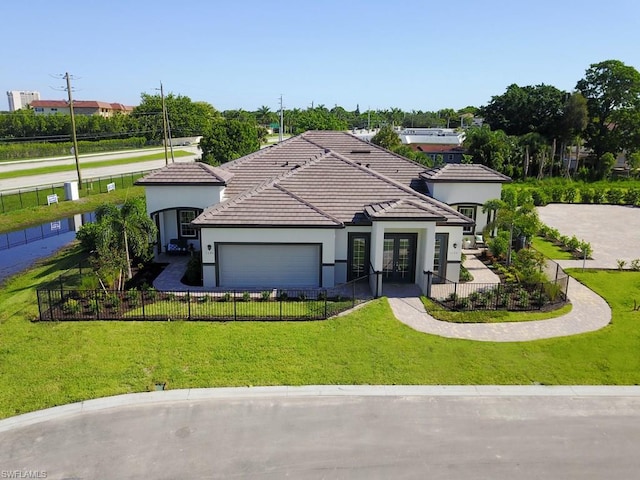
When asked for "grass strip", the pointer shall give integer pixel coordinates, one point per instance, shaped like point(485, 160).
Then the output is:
point(28, 172)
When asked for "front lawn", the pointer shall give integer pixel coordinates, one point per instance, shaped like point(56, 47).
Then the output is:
point(47, 364)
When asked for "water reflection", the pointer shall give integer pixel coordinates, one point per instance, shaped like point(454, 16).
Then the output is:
point(20, 248)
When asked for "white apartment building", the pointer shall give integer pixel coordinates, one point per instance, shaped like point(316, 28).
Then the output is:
point(20, 99)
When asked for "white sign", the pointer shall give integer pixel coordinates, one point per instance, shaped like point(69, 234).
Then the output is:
point(53, 198)
point(111, 187)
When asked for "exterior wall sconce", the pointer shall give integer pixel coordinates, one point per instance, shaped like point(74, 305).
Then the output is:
point(455, 245)
point(209, 247)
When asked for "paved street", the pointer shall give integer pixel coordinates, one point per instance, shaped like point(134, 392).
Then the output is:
point(8, 185)
point(339, 432)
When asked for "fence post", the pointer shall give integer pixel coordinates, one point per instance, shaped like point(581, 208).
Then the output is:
point(235, 313)
point(142, 302)
point(2, 202)
point(281, 299)
point(37, 196)
point(20, 197)
point(557, 270)
point(50, 305)
point(95, 299)
point(325, 303)
point(353, 294)
point(188, 305)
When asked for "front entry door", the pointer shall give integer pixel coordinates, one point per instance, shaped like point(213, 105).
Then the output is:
point(358, 255)
point(399, 257)
point(440, 258)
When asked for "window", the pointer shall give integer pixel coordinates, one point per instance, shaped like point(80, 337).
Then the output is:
point(468, 211)
point(184, 223)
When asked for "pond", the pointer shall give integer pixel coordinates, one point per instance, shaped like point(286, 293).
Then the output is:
point(21, 248)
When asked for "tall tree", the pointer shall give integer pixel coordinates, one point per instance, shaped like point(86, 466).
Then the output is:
point(612, 91)
point(495, 149)
point(227, 140)
point(118, 236)
point(522, 110)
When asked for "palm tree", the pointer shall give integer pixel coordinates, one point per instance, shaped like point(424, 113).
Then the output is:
point(123, 233)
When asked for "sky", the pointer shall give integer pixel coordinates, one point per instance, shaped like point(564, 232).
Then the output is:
point(408, 54)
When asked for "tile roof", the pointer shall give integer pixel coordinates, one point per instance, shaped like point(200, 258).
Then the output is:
point(80, 104)
point(464, 172)
point(191, 173)
point(401, 210)
point(334, 189)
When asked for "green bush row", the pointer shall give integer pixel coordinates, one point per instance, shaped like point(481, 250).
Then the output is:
point(573, 244)
point(580, 194)
point(12, 151)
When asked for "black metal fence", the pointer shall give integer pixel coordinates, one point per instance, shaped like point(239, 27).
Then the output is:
point(41, 195)
point(59, 304)
point(502, 296)
point(498, 296)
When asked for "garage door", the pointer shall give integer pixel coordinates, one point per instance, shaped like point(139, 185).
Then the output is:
point(281, 265)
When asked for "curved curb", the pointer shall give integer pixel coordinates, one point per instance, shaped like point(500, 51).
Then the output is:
point(239, 393)
point(590, 312)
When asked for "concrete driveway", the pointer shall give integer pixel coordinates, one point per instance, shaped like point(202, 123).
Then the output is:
point(612, 230)
point(367, 432)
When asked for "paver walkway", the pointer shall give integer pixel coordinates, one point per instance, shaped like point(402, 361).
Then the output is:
point(590, 312)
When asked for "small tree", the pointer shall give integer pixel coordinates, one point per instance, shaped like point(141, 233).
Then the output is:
point(386, 138)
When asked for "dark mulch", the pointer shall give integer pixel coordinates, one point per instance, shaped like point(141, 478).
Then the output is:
point(145, 276)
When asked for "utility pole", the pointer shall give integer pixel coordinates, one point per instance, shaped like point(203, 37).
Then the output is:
point(73, 129)
point(281, 121)
point(164, 126)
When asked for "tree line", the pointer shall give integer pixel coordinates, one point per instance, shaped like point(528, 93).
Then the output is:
point(528, 130)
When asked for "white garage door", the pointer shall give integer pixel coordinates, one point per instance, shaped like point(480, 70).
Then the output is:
point(282, 265)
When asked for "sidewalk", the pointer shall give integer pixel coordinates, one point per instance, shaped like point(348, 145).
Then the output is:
point(589, 313)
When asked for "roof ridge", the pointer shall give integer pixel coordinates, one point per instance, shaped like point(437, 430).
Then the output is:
point(308, 204)
point(405, 188)
point(254, 190)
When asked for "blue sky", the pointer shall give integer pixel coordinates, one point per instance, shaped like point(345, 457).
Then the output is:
point(410, 54)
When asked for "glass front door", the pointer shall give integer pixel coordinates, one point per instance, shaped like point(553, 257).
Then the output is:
point(358, 255)
point(440, 258)
point(399, 257)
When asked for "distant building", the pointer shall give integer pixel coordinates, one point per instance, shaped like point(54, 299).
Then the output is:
point(80, 107)
point(432, 136)
point(20, 99)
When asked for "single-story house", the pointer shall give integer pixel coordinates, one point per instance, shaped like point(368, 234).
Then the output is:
point(316, 210)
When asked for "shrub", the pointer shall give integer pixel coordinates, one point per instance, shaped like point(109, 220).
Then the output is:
point(265, 295)
point(539, 197)
point(571, 195)
point(112, 300)
point(193, 274)
point(632, 196)
point(557, 193)
point(586, 195)
point(586, 249)
point(573, 244)
point(552, 290)
point(600, 195)
point(89, 282)
point(225, 297)
point(284, 295)
point(635, 264)
point(615, 196)
point(621, 263)
point(71, 306)
point(523, 298)
point(133, 297)
point(499, 245)
point(246, 296)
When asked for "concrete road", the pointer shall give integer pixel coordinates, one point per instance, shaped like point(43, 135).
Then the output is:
point(351, 437)
point(87, 171)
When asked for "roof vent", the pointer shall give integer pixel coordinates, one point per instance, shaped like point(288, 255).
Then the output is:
point(295, 166)
point(368, 165)
point(361, 151)
point(285, 163)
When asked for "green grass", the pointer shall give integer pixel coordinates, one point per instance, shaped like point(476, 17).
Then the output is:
point(47, 364)
point(489, 316)
point(27, 172)
point(550, 250)
point(27, 217)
